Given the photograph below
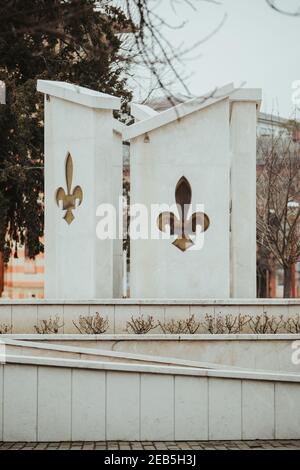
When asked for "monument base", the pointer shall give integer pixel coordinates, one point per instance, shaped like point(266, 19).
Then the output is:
point(21, 316)
point(54, 392)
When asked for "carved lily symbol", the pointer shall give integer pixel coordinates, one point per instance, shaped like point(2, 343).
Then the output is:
point(69, 199)
point(183, 227)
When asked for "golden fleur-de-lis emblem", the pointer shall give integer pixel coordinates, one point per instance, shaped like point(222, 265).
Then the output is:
point(183, 227)
point(67, 201)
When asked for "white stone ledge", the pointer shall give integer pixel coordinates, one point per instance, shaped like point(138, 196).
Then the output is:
point(237, 352)
point(118, 355)
point(151, 337)
point(152, 369)
point(78, 94)
point(162, 302)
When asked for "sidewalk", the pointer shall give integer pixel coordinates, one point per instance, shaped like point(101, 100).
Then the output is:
point(165, 446)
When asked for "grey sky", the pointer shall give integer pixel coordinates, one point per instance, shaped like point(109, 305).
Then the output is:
point(255, 46)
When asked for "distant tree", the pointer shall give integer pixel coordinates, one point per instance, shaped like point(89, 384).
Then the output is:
point(278, 201)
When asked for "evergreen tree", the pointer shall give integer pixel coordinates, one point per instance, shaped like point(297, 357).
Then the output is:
point(77, 41)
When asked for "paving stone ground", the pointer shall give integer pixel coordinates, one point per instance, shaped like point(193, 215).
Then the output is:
point(165, 446)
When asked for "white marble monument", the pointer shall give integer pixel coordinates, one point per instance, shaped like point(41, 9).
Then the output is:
point(83, 169)
point(202, 152)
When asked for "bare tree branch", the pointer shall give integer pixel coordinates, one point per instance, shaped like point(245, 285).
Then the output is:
point(278, 199)
point(272, 4)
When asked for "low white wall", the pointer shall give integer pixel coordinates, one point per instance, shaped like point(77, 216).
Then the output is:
point(55, 401)
point(51, 392)
point(280, 353)
point(23, 315)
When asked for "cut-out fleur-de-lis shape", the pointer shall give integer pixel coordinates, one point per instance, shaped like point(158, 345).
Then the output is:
point(183, 227)
point(68, 200)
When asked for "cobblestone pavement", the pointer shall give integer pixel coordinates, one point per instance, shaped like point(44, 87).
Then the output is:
point(149, 446)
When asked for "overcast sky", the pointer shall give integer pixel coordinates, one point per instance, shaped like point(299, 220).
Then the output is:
point(255, 46)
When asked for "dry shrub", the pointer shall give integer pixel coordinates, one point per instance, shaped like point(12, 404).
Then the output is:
point(5, 329)
point(235, 324)
point(176, 327)
point(265, 324)
point(209, 324)
point(292, 325)
point(192, 325)
point(228, 324)
point(140, 325)
point(50, 326)
point(92, 324)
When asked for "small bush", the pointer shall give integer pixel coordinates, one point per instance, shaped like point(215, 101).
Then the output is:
point(92, 324)
point(176, 327)
point(50, 326)
point(292, 325)
point(5, 329)
point(209, 324)
point(141, 325)
point(265, 324)
point(235, 324)
point(192, 325)
point(228, 324)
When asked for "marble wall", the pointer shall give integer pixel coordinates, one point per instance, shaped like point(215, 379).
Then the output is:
point(54, 403)
point(80, 122)
point(195, 147)
point(22, 316)
point(212, 144)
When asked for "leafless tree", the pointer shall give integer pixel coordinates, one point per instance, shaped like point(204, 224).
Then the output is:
point(278, 200)
point(145, 43)
point(150, 49)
